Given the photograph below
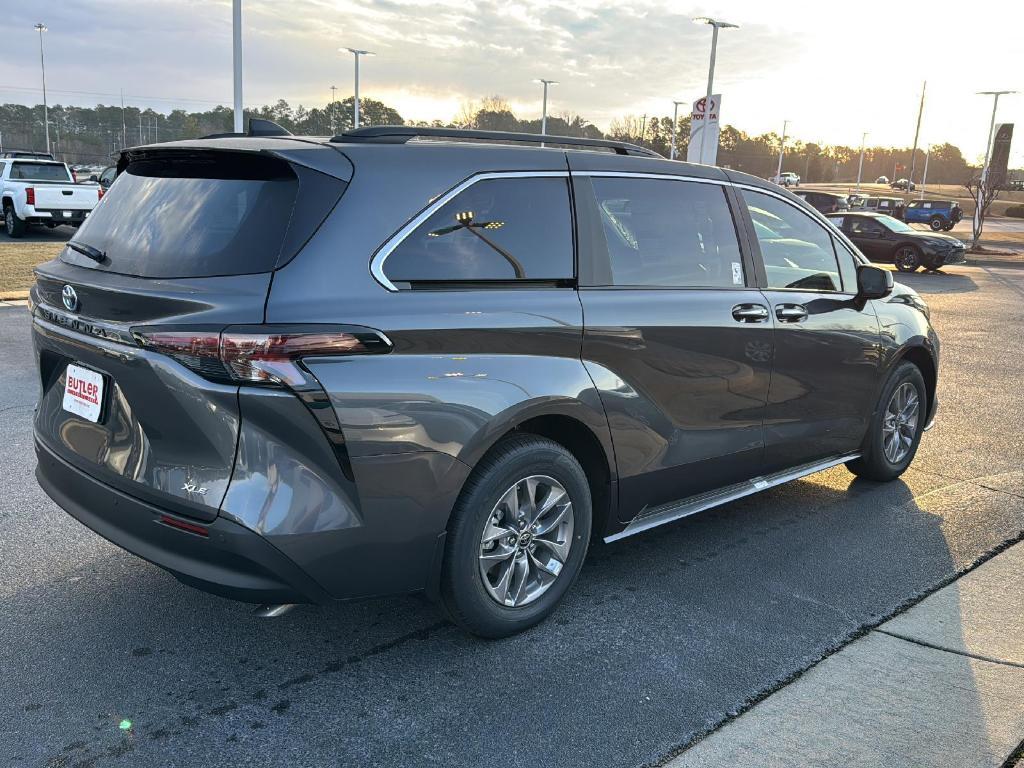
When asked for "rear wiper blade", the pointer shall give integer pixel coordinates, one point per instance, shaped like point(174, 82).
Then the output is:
point(87, 250)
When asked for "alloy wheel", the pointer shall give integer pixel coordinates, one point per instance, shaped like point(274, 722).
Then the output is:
point(906, 259)
point(526, 541)
point(899, 424)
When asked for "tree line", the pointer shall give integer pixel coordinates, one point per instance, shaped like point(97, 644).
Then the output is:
point(94, 135)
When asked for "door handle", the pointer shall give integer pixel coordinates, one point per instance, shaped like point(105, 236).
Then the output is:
point(791, 313)
point(750, 313)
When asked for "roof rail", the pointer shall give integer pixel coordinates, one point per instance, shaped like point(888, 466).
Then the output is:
point(400, 134)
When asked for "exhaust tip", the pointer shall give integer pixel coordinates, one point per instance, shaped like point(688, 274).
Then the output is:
point(273, 611)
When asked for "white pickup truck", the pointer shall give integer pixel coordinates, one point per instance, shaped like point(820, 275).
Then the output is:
point(36, 191)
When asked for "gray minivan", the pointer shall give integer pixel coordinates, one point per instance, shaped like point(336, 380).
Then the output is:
point(291, 369)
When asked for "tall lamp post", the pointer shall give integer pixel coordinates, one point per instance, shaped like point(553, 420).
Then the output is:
point(675, 128)
point(715, 26)
point(544, 105)
point(860, 165)
point(40, 28)
point(782, 149)
point(236, 52)
point(988, 152)
point(357, 53)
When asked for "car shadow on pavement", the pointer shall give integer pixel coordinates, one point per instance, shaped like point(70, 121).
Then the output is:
point(937, 282)
point(665, 634)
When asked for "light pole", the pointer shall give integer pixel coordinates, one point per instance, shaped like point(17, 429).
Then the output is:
point(236, 48)
point(917, 133)
point(40, 27)
point(984, 169)
point(715, 26)
point(675, 128)
point(782, 149)
point(860, 166)
point(544, 105)
point(924, 177)
point(357, 53)
point(334, 99)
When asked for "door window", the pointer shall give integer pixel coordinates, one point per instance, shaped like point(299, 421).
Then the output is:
point(668, 233)
point(497, 229)
point(866, 227)
point(847, 266)
point(797, 251)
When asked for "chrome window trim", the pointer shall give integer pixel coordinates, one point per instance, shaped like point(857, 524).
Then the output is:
point(382, 253)
point(642, 175)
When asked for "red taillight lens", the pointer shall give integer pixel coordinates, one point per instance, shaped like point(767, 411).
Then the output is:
point(99, 193)
point(259, 354)
point(74, 176)
point(198, 530)
point(30, 195)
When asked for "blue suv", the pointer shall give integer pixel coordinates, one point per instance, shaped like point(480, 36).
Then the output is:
point(937, 214)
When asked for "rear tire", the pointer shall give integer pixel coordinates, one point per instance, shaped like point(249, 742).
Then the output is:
point(937, 223)
point(896, 427)
point(907, 258)
point(13, 225)
point(478, 561)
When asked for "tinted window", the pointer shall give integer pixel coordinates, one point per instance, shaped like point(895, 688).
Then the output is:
point(847, 265)
point(668, 233)
point(797, 251)
point(193, 216)
point(40, 172)
point(859, 226)
point(497, 229)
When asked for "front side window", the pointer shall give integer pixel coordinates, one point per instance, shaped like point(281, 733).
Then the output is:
point(497, 229)
point(859, 226)
point(797, 251)
point(668, 233)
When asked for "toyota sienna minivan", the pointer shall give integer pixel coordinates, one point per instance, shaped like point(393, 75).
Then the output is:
point(301, 370)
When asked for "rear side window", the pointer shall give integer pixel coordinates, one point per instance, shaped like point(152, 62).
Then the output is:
point(797, 251)
point(668, 233)
point(205, 214)
point(40, 172)
point(497, 229)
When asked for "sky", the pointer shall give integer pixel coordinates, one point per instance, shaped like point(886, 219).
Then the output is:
point(833, 70)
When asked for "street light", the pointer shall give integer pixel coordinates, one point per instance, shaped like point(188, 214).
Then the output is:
point(40, 27)
point(988, 150)
point(782, 149)
point(236, 52)
point(544, 107)
point(860, 166)
point(357, 53)
point(715, 25)
point(675, 123)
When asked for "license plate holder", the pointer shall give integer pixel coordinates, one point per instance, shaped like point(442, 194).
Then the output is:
point(66, 214)
point(83, 392)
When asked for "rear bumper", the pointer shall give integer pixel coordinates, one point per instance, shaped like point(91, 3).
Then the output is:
point(232, 561)
point(56, 216)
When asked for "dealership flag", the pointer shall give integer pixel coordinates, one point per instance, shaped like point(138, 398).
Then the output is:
point(697, 126)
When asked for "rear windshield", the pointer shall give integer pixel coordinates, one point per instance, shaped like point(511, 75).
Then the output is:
point(193, 215)
point(39, 171)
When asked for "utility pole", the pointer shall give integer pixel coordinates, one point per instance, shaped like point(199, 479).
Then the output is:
point(40, 27)
point(860, 166)
point(924, 178)
point(334, 100)
point(124, 127)
point(236, 48)
point(917, 132)
point(675, 127)
point(782, 149)
point(140, 126)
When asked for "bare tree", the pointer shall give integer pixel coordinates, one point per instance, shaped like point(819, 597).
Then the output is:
point(983, 192)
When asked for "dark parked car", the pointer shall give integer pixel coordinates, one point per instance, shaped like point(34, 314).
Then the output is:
point(826, 202)
point(892, 206)
point(411, 360)
point(937, 214)
point(904, 184)
point(106, 177)
point(883, 238)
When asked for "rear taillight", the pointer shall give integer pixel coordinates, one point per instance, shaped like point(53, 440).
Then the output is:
point(263, 354)
point(30, 195)
point(99, 193)
point(74, 176)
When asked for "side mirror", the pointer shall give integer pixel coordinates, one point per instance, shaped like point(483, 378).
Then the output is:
point(94, 177)
point(873, 282)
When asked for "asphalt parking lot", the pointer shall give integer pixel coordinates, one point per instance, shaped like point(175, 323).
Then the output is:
point(108, 661)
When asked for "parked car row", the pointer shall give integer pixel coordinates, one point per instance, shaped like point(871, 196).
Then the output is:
point(884, 238)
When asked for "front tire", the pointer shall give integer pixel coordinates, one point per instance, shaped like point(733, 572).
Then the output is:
point(896, 427)
point(517, 537)
point(907, 258)
point(937, 223)
point(13, 224)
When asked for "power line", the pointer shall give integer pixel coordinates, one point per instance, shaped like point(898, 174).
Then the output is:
point(115, 95)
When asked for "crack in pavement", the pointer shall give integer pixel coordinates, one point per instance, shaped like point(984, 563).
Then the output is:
point(933, 646)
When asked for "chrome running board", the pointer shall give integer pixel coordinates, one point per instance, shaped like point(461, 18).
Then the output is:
point(666, 513)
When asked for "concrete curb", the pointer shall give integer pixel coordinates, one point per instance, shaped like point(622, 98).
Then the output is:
point(940, 684)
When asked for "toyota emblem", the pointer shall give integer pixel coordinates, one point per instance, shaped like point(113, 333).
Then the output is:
point(70, 298)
